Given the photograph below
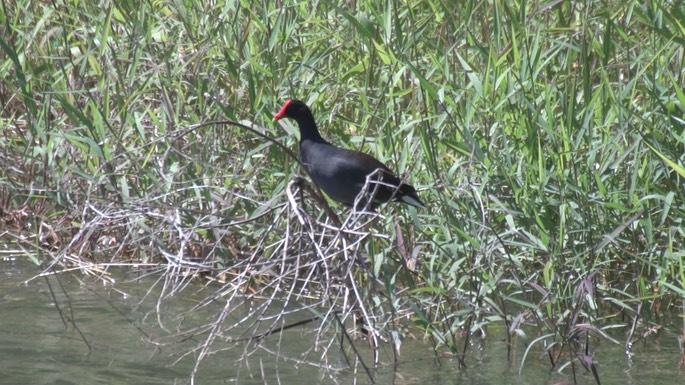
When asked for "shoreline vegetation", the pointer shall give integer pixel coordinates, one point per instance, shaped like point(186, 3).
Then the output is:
point(545, 138)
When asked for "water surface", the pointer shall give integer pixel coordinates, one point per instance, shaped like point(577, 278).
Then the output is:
point(76, 329)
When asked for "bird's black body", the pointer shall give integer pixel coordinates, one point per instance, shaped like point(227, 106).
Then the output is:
point(342, 173)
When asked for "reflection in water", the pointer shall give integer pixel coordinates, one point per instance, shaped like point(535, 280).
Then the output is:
point(73, 329)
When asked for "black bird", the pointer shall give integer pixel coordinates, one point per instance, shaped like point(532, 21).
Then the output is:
point(342, 173)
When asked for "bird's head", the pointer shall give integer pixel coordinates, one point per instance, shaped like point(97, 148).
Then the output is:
point(292, 109)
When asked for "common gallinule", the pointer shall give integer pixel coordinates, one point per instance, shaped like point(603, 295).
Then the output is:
point(342, 173)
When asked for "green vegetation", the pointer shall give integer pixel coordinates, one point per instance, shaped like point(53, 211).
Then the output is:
point(546, 139)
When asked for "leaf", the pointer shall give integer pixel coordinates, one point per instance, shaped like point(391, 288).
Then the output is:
point(677, 168)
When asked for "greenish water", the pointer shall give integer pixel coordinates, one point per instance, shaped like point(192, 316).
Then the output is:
point(73, 329)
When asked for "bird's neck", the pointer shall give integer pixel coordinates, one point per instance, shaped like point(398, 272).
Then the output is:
point(309, 131)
